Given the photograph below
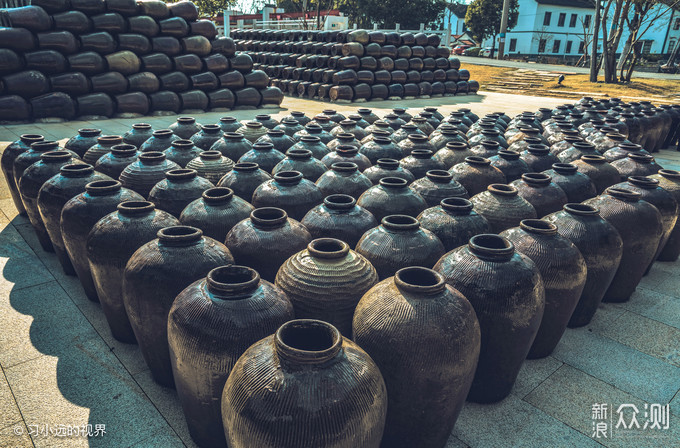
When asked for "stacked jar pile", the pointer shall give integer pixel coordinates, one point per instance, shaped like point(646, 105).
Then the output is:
point(356, 65)
point(104, 58)
point(345, 270)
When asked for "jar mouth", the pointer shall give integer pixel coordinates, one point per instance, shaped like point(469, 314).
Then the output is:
point(670, 174)
point(181, 174)
point(346, 150)
point(299, 154)
point(210, 128)
point(297, 113)
point(162, 133)
point(31, 138)
point(76, 170)
point(217, 195)
point(268, 217)
point(439, 176)
point(491, 246)
point(233, 135)
point(408, 127)
point(508, 155)
point(329, 112)
point(538, 226)
point(228, 119)
point(103, 187)
point(44, 145)
point(393, 182)
point(477, 161)
point(322, 118)
point(536, 179)
point(345, 167)
point(363, 110)
point(246, 166)
point(276, 133)
point(55, 156)
point(90, 132)
point(641, 158)
point(400, 222)
point(459, 206)
point(339, 201)
point(645, 182)
point(179, 235)
point(564, 168)
point(493, 132)
point(490, 144)
point(186, 120)
point(307, 341)
point(328, 248)
point(417, 138)
point(263, 146)
point(182, 144)
point(584, 145)
point(379, 138)
point(628, 146)
point(417, 279)
point(123, 149)
point(591, 158)
point(422, 153)
point(232, 279)
point(263, 117)
point(457, 146)
point(502, 190)
point(310, 139)
point(345, 136)
point(580, 209)
point(135, 207)
point(152, 157)
point(538, 149)
point(253, 124)
point(623, 194)
point(210, 155)
point(290, 122)
point(288, 177)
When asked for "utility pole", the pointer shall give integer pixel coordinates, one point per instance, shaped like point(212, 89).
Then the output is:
point(504, 28)
point(593, 52)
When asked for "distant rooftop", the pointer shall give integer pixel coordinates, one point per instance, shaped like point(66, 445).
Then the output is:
point(568, 3)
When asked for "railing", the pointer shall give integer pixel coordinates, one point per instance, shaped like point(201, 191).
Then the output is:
point(14, 3)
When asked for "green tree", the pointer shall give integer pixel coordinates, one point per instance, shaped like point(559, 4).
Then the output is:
point(213, 8)
point(408, 14)
point(483, 18)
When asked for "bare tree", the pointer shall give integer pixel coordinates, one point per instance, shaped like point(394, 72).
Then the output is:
point(586, 38)
point(542, 35)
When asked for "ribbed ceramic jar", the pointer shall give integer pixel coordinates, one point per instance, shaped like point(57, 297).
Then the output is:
point(510, 164)
point(160, 140)
point(179, 188)
point(577, 186)
point(288, 126)
point(216, 212)
point(301, 160)
point(52, 197)
point(414, 142)
point(264, 155)
point(427, 381)
point(347, 153)
point(622, 150)
point(289, 191)
point(577, 150)
point(669, 180)
point(343, 178)
point(437, 185)
point(232, 145)
point(138, 134)
point(211, 165)
point(454, 222)
point(278, 138)
point(601, 172)
point(147, 171)
point(636, 165)
point(207, 136)
point(398, 242)
point(210, 325)
point(563, 270)
point(178, 257)
point(103, 146)
point(503, 207)
point(229, 124)
point(476, 173)
point(182, 152)
point(601, 247)
point(339, 217)
point(539, 190)
point(453, 153)
point(314, 130)
point(381, 148)
point(84, 140)
point(538, 158)
point(266, 240)
point(79, 216)
point(290, 367)
point(113, 163)
point(487, 268)
point(401, 134)
point(185, 127)
point(326, 281)
point(9, 155)
point(420, 161)
point(392, 197)
point(640, 226)
point(314, 144)
point(387, 168)
point(110, 244)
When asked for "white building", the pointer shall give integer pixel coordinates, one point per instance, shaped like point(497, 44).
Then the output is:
point(560, 28)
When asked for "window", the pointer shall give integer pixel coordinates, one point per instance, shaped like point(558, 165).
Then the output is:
point(647, 46)
point(546, 18)
point(561, 19)
point(586, 21)
point(572, 21)
point(671, 45)
point(581, 47)
point(556, 46)
point(568, 49)
point(541, 45)
point(676, 24)
point(513, 44)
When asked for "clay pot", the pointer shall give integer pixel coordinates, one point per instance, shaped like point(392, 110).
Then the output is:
point(387, 168)
point(232, 145)
point(600, 172)
point(159, 141)
point(179, 256)
point(509, 327)
point(538, 158)
point(398, 242)
point(74, 84)
point(636, 165)
point(290, 352)
point(147, 171)
point(84, 140)
point(343, 178)
point(182, 152)
point(303, 161)
point(49, 62)
point(453, 336)
point(185, 127)
point(601, 247)
point(539, 190)
point(143, 25)
point(52, 6)
point(174, 26)
point(437, 185)
point(340, 217)
point(79, 216)
point(18, 156)
point(110, 22)
point(153, 8)
point(29, 183)
point(266, 240)
point(392, 196)
point(184, 9)
point(244, 179)
point(18, 39)
point(420, 161)
point(27, 84)
point(241, 62)
point(112, 82)
point(503, 207)
point(207, 136)
point(510, 164)
point(179, 188)
point(89, 7)
point(669, 180)
point(232, 80)
point(102, 147)
point(278, 139)
point(454, 222)
point(563, 271)
point(156, 63)
point(205, 28)
point(9, 155)
point(476, 173)
point(381, 147)
point(264, 155)
point(640, 226)
point(289, 191)
point(145, 82)
point(252, 131)
point(113, 163)
point(167, 45)
point(54, 194)
point(453, 153)
point(224, 46)
point(229, 124)
point(124, 62)
point(216, 212)
point(211, 165)
point(124, 7)
point(577, 186)
point(97, 105)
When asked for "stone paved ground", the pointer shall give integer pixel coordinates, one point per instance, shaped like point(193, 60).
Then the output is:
point(59, 364)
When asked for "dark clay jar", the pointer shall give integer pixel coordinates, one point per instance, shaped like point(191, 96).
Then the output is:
point(289, 367)
point(476, 173)
point(392, 197)
point(289, 127)
point(139, 133)
point(427, 383)
point(381, 148)
point(347, 153)
point(232, 145)
point(303, 161)
point(621, 151)
point(278, 139)
point(599, 171)
point(29, 185)
point(503, 207)
point(538, 158)
point(110, 244)
point(102, 147)
point(398, 242)
point(314, 144)
point(577, 150)
point(420, 161)
point(85, 139)
point(185, 127)
point(636, 165)
point(146, 171)
point(486, 265)
point(229, 124)
point(207, 136)
point(454, 222)
point(405, 131)
point(267, 121)
point(344, 140)
point(54, 193)
point(510, 164)
point(313, 129)
point(387, 168)
point(216, 212)
point(640, 226)
point(661, 199)
point(264, 155)
point(339, 217)
point(577, 186)
point(343, 178)
point(210, 325)
point(669, 180)
point(266, 240)
point(182, 152)
point(453, 153)
point(290, 191)
point(179, 188)
point(539, 190)
point(211, 165)
point(563, 271)
point(326, 281)
point(9, 155)
point(244, 179)
point(159, 141)
point(437, 185)
point(601, 247)
point(113, 163)
point(79, 216)
point(415, 142)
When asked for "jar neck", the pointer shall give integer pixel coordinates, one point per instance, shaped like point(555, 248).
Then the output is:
point(491, 247)
point(457, 206)
point(419, 280)
point(538, 227)
point(177, 236)
point(218, 195)
point(232, 282)
point(328, 249)
point(305, 342)
point(103, 188)
point(268, 217)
